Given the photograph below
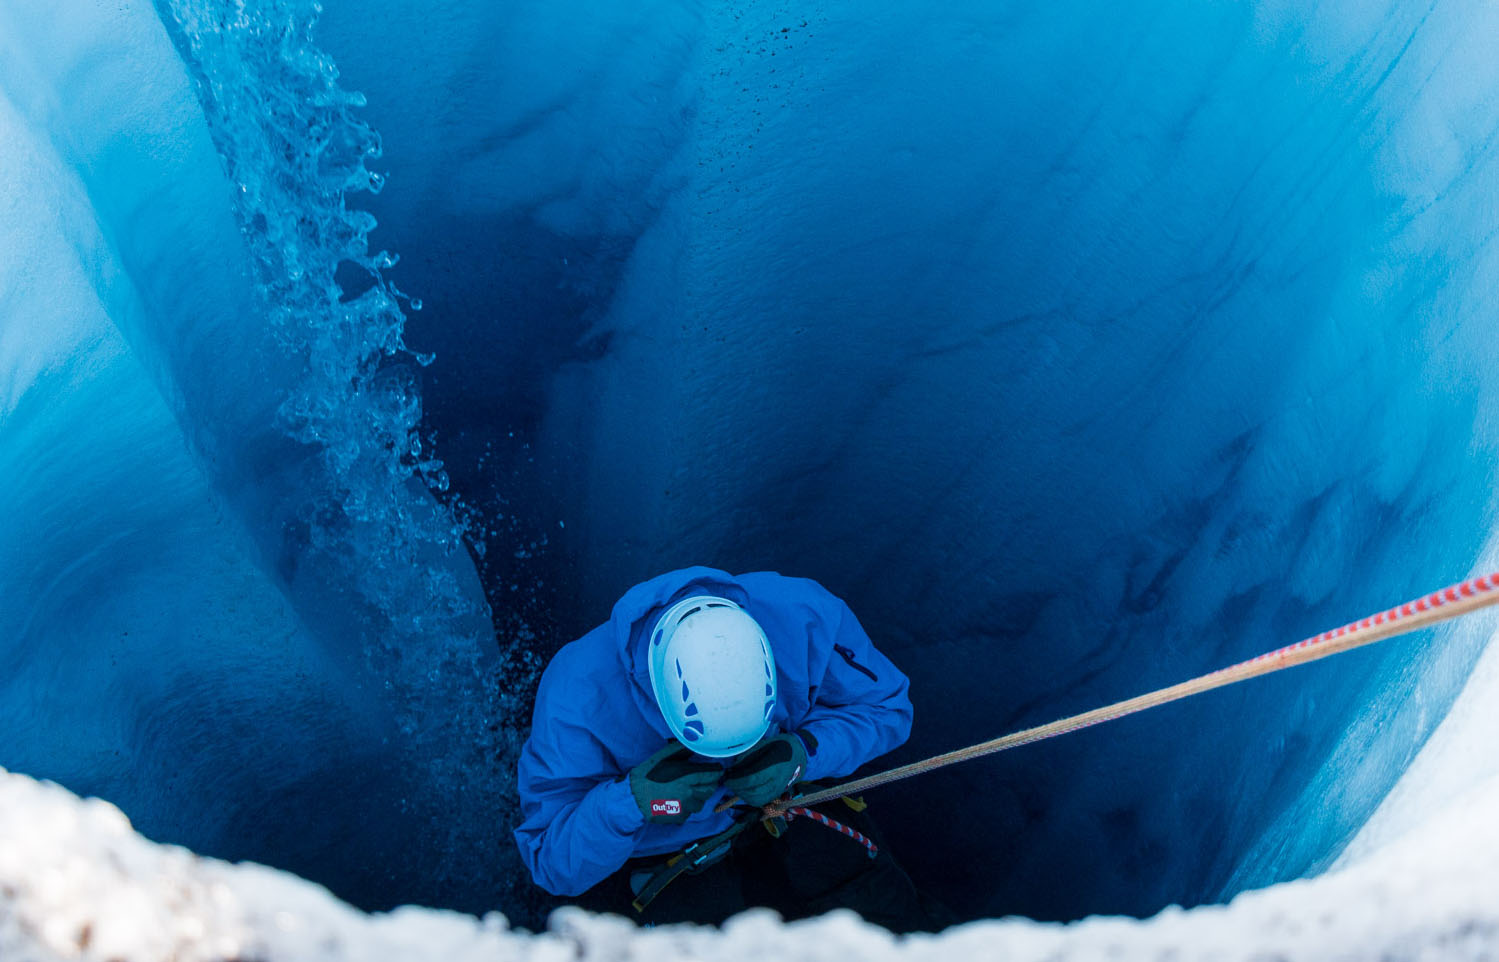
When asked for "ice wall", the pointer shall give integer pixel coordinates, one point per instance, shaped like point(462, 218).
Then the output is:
point(226, 602)
point(1082, 349)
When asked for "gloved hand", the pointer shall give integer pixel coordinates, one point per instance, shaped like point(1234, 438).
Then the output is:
point(764, 774)
point(671, 785)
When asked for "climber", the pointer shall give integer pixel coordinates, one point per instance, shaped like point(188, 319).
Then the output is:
point(704, 687)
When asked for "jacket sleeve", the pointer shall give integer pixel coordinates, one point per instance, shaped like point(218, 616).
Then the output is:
point(861, 707)
point(579, 819)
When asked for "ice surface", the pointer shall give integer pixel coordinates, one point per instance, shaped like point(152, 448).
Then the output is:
point(128, 592)
point(208, 617)
point(1458, 759)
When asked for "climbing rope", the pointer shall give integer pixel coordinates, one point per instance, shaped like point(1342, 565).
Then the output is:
point(837, 826)
point(1445, 605)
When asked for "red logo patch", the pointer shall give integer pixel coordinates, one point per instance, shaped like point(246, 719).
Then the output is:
point(666, 806)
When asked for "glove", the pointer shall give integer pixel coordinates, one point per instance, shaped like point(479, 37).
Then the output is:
point(768, 770)
point(670, 785)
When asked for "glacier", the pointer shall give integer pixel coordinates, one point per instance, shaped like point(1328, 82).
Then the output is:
point(1082, 350)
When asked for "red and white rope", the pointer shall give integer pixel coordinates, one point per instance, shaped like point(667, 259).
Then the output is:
point(1451, 602)
point(805, 812)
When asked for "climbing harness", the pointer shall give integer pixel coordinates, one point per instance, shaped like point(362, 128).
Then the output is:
point(647, 883)
point(1439, 606)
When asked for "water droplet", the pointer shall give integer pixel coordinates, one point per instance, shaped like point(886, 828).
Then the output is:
point(415, 303)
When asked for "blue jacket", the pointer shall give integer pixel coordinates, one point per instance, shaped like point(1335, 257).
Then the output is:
point(596, 718)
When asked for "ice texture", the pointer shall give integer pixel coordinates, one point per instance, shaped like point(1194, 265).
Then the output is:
point(1082, 349)
point(246, 626)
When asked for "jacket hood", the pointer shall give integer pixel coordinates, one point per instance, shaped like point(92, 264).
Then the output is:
point(635, 613)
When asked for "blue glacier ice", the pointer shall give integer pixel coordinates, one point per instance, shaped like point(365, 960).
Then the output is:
point(1081, 349)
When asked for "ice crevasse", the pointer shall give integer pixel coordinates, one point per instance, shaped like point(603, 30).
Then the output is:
point(1081, 350)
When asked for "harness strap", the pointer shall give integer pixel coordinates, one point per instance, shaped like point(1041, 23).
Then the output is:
point(705, 852)
point(693, 857)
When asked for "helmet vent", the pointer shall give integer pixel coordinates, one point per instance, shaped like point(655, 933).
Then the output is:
point(693, 730)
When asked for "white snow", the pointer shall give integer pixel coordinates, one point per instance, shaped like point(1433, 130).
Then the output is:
point(76, 882)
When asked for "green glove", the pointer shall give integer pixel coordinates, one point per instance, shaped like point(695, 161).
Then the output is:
point(770, 768)
point(670, 785)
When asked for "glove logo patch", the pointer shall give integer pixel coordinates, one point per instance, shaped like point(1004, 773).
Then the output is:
point(666, 806)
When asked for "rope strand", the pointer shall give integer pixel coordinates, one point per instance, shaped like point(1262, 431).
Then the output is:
point(835, 825)
point(1439, 606)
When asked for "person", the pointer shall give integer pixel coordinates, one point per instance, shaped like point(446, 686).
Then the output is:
point(705, 687)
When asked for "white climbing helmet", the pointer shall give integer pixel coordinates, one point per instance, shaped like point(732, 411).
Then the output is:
point(713, 675)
